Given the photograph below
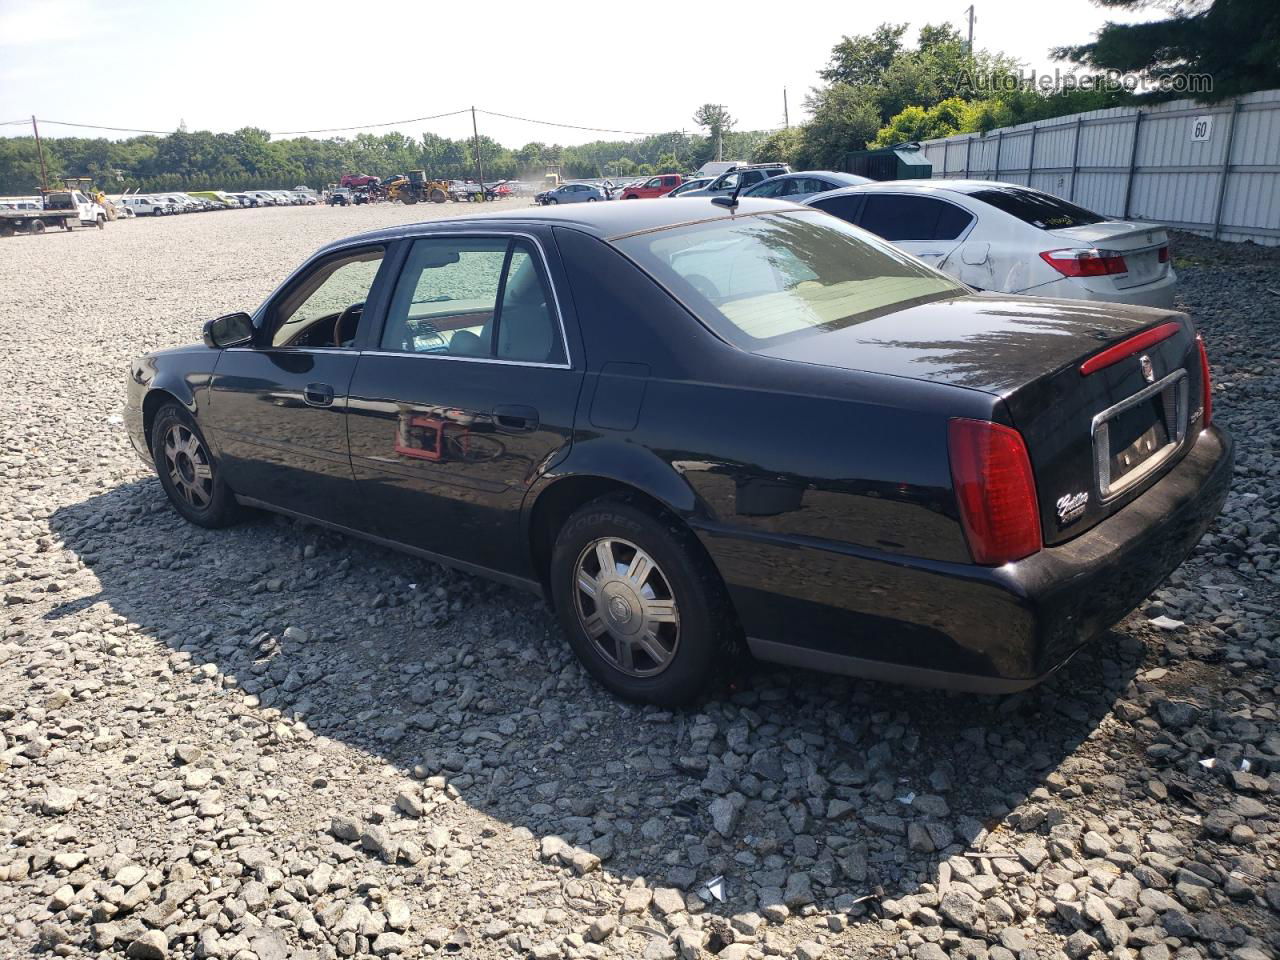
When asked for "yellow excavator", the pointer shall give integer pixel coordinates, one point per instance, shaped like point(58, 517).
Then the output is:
point(415, 187)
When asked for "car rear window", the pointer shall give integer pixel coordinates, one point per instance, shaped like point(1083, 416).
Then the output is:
point(1036, 208)
point(760, 279)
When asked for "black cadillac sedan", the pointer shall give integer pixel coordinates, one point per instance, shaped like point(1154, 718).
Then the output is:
point(691, 427)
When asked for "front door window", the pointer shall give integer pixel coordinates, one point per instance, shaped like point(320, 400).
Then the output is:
point(325, 307)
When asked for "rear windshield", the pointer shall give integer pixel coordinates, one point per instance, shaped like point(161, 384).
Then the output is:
point(1036, 208)
point(762, 279)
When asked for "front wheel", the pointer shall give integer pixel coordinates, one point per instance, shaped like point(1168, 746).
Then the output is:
point(102, 222)
point(188, 472)
point(639, 602)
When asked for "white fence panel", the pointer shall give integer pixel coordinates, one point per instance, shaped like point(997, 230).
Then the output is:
point(1208, 168)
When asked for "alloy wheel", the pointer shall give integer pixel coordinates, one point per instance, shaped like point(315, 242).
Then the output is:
point(626, 607)
point(189, 467)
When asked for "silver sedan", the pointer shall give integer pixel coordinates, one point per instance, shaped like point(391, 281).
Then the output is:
point(571, 193)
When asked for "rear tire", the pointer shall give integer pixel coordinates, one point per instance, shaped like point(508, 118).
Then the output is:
point(188, 472)
point(639, 603)
point(37, 226)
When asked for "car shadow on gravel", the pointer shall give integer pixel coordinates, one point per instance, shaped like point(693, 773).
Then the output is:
point(794, 786)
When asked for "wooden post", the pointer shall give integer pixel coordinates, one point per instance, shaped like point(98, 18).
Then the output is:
point(44, 173)
point(479, 163)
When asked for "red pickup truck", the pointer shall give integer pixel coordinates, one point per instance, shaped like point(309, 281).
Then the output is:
point(653, 187)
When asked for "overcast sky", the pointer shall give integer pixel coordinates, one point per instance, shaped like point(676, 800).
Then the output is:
point(290, 66)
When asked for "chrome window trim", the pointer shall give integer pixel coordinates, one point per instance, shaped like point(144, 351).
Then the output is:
point(351, 350)
point(446, 356)
point(546, 272)
point(1176, 421)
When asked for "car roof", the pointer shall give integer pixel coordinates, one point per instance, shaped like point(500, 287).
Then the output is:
point(603, 220)
point(930, 186)
point(811, 173)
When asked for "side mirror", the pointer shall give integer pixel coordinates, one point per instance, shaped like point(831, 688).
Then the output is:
point(228, 331)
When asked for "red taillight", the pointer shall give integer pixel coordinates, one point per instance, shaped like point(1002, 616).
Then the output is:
point(1085, 262)
point(1206, 383)
point(1127, 348)
point(995, 491)
point(1163, 254)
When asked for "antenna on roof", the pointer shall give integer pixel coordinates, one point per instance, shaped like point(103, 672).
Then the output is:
point(731, 201)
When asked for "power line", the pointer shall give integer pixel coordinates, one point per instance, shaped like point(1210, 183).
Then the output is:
point(95, 126)
point(360, 126)
point(10, 123)
point(366, 126)
point(573, 126)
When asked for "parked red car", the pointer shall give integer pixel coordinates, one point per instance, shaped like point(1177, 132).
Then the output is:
point(357, 180)
point(653, 187)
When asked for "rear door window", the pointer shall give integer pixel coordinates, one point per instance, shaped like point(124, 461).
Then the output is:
point(1038, 209)
point(952, 221)
point(845, 206)
point(476, 297)
point(774, 188)
point(900, 217)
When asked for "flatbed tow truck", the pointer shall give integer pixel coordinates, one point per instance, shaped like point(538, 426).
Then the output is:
point(23, 220)
point(65, 208)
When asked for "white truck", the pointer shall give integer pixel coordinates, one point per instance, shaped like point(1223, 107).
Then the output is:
point(56, 208)
point(91, 212)
point(713, 168)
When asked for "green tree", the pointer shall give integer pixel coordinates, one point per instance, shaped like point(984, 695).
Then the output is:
point(918, 123)
point(1235, 42)
point(863, 59)
point(716, 119)
point(781, 146)
point(843, 118)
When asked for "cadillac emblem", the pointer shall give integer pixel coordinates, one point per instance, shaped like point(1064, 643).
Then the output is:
point(1071, 507)
point(1148, 371)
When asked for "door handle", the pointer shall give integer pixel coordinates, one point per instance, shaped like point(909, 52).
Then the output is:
point(513, 418)
point(317, 395)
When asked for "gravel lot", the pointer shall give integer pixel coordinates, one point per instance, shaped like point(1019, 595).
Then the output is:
point(275, 742)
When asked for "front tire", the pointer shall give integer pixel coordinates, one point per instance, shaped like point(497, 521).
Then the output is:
point(639, 602)
point(188, 472)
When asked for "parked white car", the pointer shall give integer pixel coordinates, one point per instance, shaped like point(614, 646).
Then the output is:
point(147, 206)
point(1007, 238)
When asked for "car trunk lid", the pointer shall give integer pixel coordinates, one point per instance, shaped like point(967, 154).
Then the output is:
point(1095, 439)
point(1140, 244)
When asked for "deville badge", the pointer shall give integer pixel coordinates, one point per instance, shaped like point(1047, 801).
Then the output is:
point(1071, 507)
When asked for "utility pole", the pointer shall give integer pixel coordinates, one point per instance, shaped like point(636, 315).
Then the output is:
point(479, 163)
point(44, 173)
point(970, 13)
point(786, 114)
